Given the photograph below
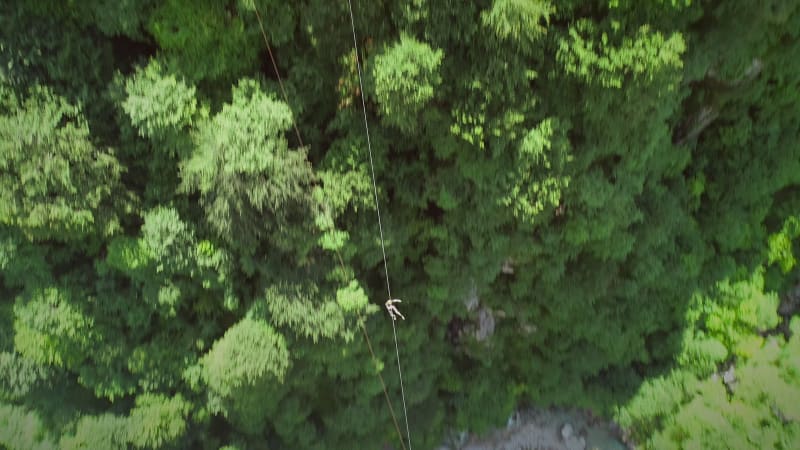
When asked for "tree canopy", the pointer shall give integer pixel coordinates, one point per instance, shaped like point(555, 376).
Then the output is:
point(585, 203)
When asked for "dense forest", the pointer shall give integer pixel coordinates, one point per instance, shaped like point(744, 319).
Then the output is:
point(585, 203)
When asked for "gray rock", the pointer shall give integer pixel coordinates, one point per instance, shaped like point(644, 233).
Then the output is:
point(485, 324)
point(566, 431)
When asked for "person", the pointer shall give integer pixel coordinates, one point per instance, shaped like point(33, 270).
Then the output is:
point(393, 311)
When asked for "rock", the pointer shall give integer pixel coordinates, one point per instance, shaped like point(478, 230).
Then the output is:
point(485, 324)
point(566, 431)
point(571, 441)
point(576, 443)
point(729, 377)
point(508, 267)
point(545, 429)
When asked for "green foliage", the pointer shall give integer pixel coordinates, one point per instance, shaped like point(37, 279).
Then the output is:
point(781, 243)
point(119, 17)
point(291, 307)
point(740, 309)
point(540, 178)
point(249, 352)
point(761, 411)
point(480, 409)
point(593, 58)
point(158, 103)
point(55, 182)
point(44, 43)
point(22, 428)
point(352, 298)
point(575, 202)
point(157, 420)
point(249, 181)
point(19, 376)
point(22, 263)
point(203, 39)
point(519, 21)
point(701, 354)
point(104, 431)
point(279, 19)
point(657, 400)
point(50, 329)
point(752, 407)
point(168, 240)
point(406, 77)
point(129, 255)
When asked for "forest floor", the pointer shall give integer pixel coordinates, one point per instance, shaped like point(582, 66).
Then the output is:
point(547, 429)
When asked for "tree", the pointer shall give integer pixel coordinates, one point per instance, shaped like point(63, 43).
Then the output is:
point(248, 353)
point(576, 200)
point(518, 21)
point(203, 40)
point(50, 329)
point(406, 77)
point(157, 421)
point(159, 104)
point(251, 184)
point(56, 183)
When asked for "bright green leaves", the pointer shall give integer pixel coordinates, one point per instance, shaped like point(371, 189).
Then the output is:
point(54, 183)
point(333, 239)
point(740, 309)
point(168, 240)
point(251, 352)
point(103, 431)
point(346, 183)
point(297, 309)
point(158, 103)
point(781, 244)
point(595, 59)
point(701, 353)
point(164, 259)
point(352, 298)
point(406, 76)
point(129, 255)
point(248, 179)
point(518, 21)
point(50, 329)
point(572, 175)
point(540, 176)
point(727, 323)
point(756, 408)
point(157, 420)
point(711, 400)
point(245, 371)
point(657, 399)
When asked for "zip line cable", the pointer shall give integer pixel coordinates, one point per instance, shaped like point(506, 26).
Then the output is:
point(278, 74)
point(383, 383)
point(378, 210)
point(361, 320)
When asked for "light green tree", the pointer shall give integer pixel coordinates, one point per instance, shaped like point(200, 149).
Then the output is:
point(249, 352)
point(50, 328)
point(250, 183)
point(406, 76)
point(55, 183)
